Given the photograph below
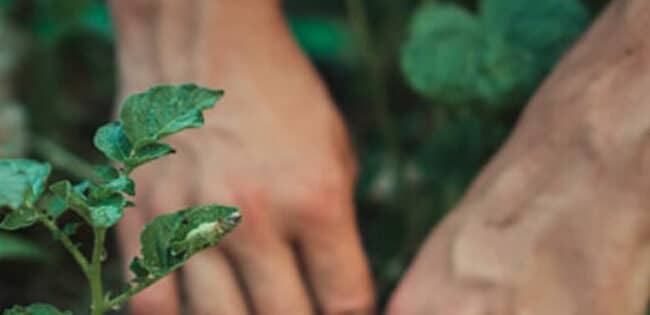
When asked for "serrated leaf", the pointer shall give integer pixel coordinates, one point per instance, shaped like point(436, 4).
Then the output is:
point(35, 309)
point(22, 182)
point(164, 110)
point(12, 247)
point(543, 28)
point(111, 140)
point(170, 240)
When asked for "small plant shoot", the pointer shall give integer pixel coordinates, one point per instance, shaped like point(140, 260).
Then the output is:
point(167, 242)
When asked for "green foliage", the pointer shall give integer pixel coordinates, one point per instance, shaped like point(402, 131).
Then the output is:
point(17, 248)
point(545, 29)
point(167, 242)
point(455, 57)
point(149, 117)
point(35, 309)
point(170, 240)
point(324, 39)
point(24, 181)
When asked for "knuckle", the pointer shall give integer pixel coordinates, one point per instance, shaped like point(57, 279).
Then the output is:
point(320, 198)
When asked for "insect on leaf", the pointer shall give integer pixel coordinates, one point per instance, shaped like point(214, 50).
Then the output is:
point(170, 240)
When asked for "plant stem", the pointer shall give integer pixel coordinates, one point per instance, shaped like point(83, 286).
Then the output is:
point(126, 295)
point(98, 306)
point(66, 241)
point(377, 85)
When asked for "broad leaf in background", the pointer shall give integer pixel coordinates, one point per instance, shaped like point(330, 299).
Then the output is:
point(170, 240)
point(546, 28)
point(35, 309)
point(456, 58)
point(12, 247)
point(442, 56)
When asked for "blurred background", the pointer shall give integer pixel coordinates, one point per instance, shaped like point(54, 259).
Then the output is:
point(430, 90)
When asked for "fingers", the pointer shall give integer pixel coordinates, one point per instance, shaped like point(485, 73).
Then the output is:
point(336, 266)
point(212, 286)
point(271, 276)
point(267, 267)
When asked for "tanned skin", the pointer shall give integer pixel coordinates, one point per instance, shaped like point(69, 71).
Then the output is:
point(557, 223)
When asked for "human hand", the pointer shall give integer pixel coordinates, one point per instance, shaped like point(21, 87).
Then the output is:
point(275, 146)
point(558, 222)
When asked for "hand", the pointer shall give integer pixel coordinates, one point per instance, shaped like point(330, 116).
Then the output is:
point(275, 147)
point(558, 222)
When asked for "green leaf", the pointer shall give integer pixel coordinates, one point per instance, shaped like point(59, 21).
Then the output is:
point(107, 172)
point(71, 228)
point(432, 18)
point(170, 240)
point(149, 153)
point(150, 116)
point(55, 206)
point(323, 38)
point(443, 55)
point(164, 110)
point(74, 198)
point(112, 141)
point(22, 182)
point(18, 219)
point(12, 247)
point(103, 208)
point(544, 28)
point(139, 270)
point(107, 212)
point(115, 186)
point(35, 309)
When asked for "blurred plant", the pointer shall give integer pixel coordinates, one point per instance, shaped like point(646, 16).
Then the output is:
point(14, 248)
point(492, 59)
point(168, 241)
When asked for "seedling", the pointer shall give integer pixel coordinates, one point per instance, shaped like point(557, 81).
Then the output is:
point(167, 242)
